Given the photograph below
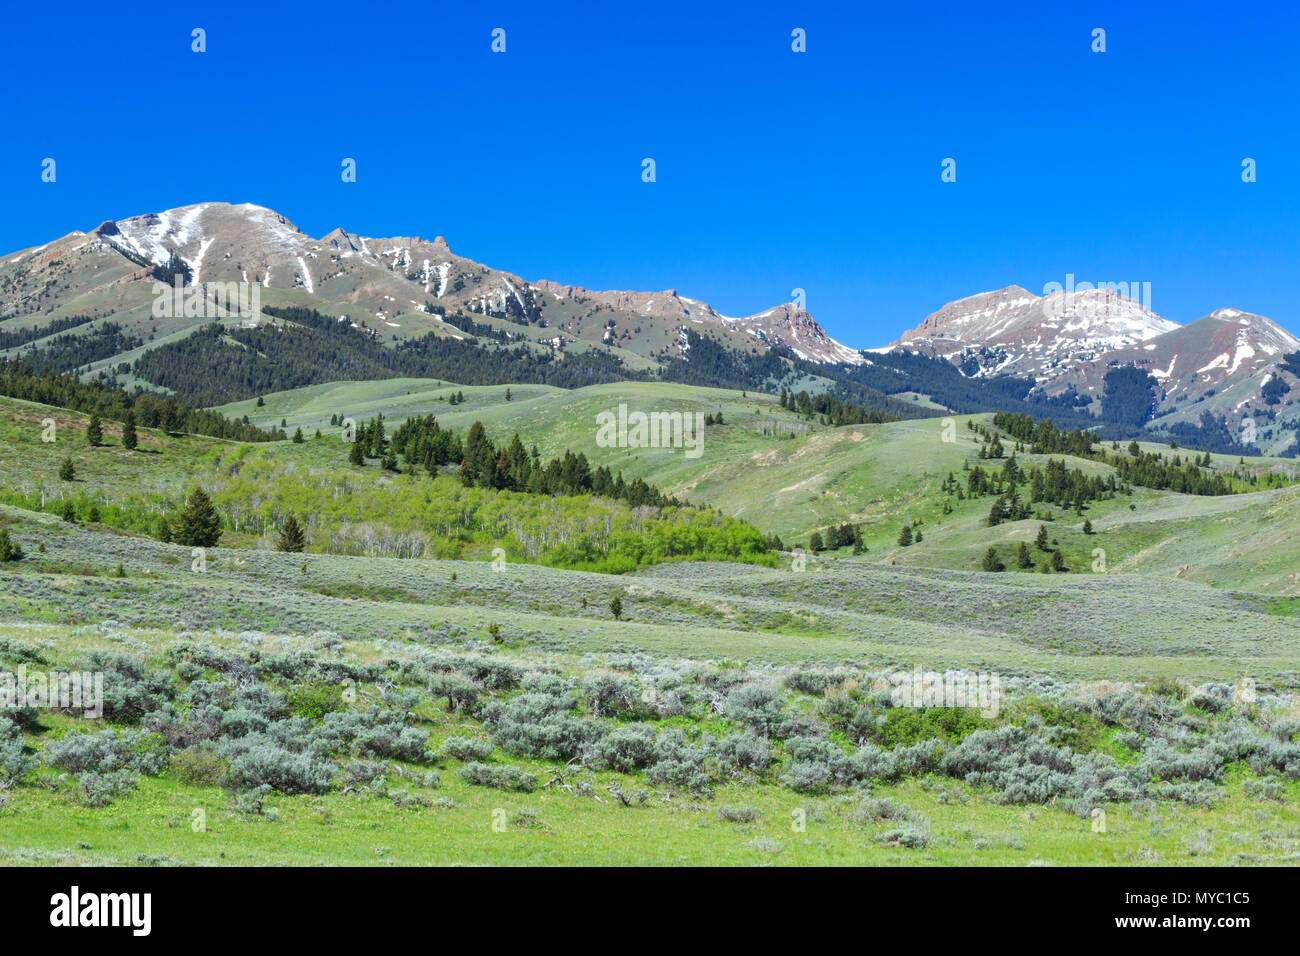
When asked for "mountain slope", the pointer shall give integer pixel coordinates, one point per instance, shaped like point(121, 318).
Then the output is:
point(397, 287)
point(1013, 332)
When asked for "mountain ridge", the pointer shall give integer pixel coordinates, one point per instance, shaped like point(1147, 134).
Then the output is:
point(399, 287)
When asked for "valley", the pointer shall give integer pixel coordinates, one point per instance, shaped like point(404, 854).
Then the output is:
point(367, 583)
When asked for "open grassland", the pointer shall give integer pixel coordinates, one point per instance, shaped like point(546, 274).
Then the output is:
point(1091, 627)
point(346, 705)
point(706, 631)
point(875, 476)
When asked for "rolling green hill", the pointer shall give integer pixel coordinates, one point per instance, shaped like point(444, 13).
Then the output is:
point(389, 694)
point(877, 476)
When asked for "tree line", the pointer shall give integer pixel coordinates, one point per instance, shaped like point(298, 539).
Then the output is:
point(480, 463)
point(217, 364)
point(1135, 467)
point(148, 409)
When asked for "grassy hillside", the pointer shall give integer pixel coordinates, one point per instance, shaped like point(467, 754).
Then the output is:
point(708, 631)
point(878, 476)
point(395, 695)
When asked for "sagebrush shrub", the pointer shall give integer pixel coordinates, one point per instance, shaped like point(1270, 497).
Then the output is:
point(467, 748)
point(628, 748)
point(198, 767)
point(98, 789)
point(14, 761)
point(732, 814)
point(757, 707)
point(267, 765)
point(500, 776)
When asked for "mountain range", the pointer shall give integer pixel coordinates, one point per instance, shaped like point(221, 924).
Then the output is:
point(1058, 348)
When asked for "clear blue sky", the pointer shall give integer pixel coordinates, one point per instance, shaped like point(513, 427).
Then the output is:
point(775, 170)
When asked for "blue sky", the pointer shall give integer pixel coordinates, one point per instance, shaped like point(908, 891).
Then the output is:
point(775, 170)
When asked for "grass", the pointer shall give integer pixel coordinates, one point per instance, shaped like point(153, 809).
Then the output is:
point(154, 825)
point(1194, 590)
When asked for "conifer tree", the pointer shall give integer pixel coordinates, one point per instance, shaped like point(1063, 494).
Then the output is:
point(291, 536)
point(95, 431)
point(1040, 542)
point(67, 472)
point(129, 437)
point(9, 551)
point(199, 524)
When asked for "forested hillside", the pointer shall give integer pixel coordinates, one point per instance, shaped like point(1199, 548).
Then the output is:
point(220, 364)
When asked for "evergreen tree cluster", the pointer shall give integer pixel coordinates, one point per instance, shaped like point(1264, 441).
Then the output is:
point(1134, 466)
point(18, 337)
point(72, 350)
point(1129, 396)
point(422, 442)
point(1044, 437)
point(467, 325)
point(831, 410)
point(218, 364)
point(149, 409)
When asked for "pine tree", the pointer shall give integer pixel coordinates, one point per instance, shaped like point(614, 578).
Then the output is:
point(815, 543)
point(1058, 560)
point(1023, 558)
point(95, 431)
point(1040, 542)
point(992, 562)
point(69, 511)
point(9, 551)
point(163, 530)
point(291, 536)
point(507, 393)
point(129, 438)
point(1087, 526)
point(998, 512)
point(297, 437)
point(198, 525)
point(905, 536)
point(616, 607)
point(355, 455)
point(66, 470)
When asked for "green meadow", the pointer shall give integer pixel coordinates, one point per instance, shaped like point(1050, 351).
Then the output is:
point(402, 693)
